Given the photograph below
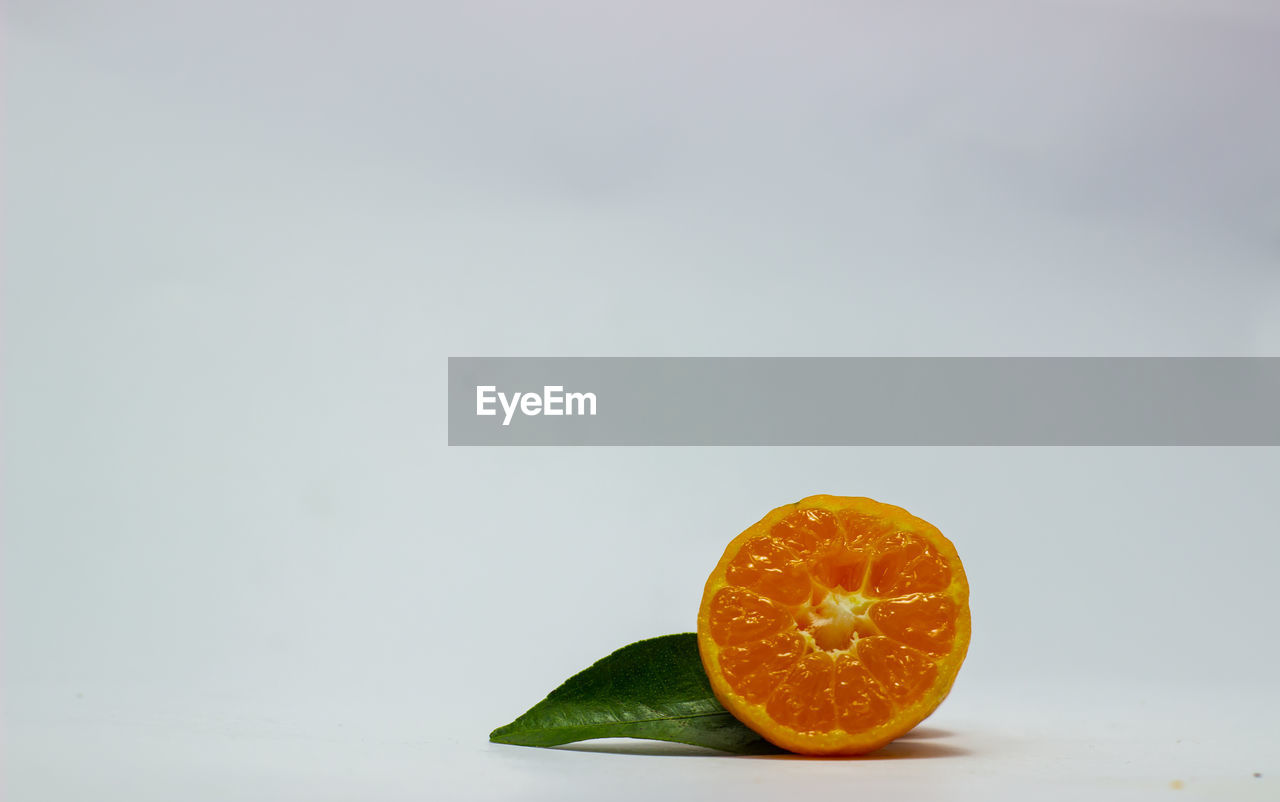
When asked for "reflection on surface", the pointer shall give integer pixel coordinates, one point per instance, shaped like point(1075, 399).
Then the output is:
point(922, 742)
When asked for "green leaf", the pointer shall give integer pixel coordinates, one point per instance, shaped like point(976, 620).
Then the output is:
point(654, 688)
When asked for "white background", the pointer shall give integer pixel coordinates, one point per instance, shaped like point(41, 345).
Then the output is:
point(241, 238)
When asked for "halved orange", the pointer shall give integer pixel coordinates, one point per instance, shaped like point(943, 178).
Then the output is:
point(835, 624)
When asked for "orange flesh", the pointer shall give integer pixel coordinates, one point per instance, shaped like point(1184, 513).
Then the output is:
point(835, 624)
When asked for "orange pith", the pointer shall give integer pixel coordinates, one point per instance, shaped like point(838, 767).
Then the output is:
point(835, 624)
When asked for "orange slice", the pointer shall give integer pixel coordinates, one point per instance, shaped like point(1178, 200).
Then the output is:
point(835, 624)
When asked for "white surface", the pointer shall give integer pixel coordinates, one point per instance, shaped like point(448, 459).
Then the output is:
point(1147, 743)
point(241, 238)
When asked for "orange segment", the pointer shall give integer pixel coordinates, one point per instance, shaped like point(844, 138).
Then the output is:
point(858, 697)
point(843, 568)
point(835, 624)
point(804, 700)
point(907, 563)
point(770, 569)
point(756, 668)
point(903, 672)
point(740, 616)
point(861, 528)
point(803, 530)
point(927, 623)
